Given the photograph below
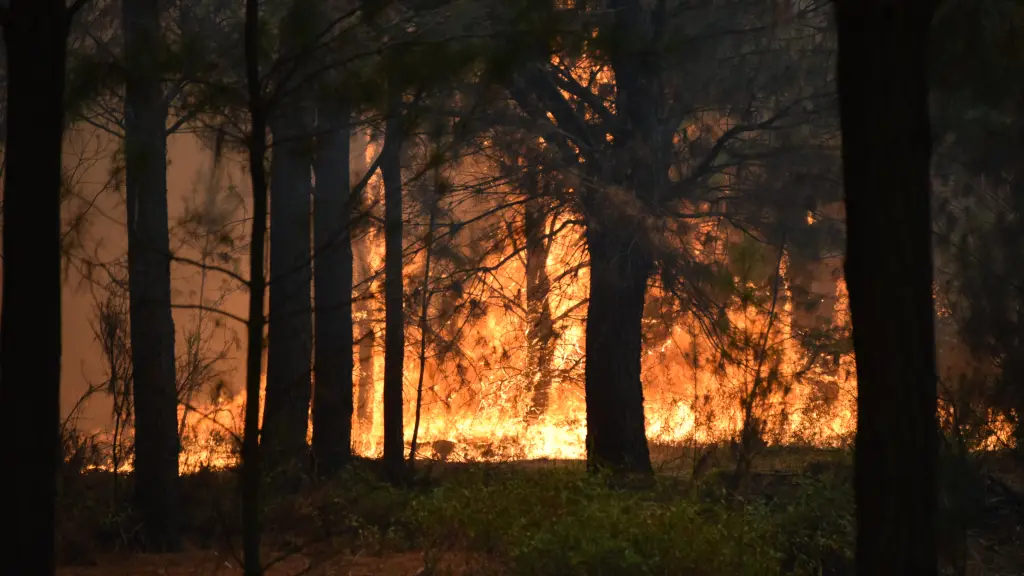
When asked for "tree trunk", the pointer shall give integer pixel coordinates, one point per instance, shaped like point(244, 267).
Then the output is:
point(621, 258)
point(332, 268)
point(290, 346)
point(616, 432)
point(394, 314)
point(251, 473)
point(883, 96)
point(538, 307)
point(35, 33)
point(152, 327)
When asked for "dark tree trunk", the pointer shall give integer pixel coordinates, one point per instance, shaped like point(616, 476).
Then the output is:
point(621, 257)
point(332, 269)
point(251, 473)
point(149, 281)
point(883, 96)
point(538, 307)
point(290, 346)
point(616, 432)
point(394, 314)
point(35, 33)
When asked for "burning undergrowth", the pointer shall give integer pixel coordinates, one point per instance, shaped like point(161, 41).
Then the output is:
point(493, 390)
point(745, 340)
point(772, 358)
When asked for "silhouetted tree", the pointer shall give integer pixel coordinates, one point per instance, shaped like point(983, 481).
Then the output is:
point(394, 293)
point(621, 255)
point(883, 96)
point(332, 269)
point(149, 279)
point(290, 322)
point(628, 123)
point(35, 38)
point(257, 149)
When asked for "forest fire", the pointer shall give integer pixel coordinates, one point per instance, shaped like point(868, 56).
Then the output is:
point(488, 395)
point(689, 399)
point(486, 398)
point(500, 384)
point(555, 289)
point(477, 398)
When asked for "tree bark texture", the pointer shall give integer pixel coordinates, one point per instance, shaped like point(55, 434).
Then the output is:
point(332, 269)
point(621, 252)
point(152, 327)
point(35, 33)
point(883, 95)
point(616, 431)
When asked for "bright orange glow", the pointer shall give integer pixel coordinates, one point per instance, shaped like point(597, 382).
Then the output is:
point(478, 401)
point(477, 394)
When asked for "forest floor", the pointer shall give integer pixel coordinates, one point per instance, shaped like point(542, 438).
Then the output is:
point(793, 514)
point(208, 563)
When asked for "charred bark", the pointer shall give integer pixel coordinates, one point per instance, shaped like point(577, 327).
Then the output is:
point(290, 330)
point(883, 97)
point(35, 33)
point(616, 432)
point(394, 313)
point(152, 327)
point(332, 269)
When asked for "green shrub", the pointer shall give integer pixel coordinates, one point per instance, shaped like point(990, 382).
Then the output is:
point(510, 520)
point(816, 527)
point(562, 523)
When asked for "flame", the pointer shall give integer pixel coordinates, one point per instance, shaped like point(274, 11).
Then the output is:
point(477, 400)
point(688, 399)
point(476, 392)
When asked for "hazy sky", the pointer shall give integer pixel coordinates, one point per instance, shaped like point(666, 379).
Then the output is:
point(189, 183)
